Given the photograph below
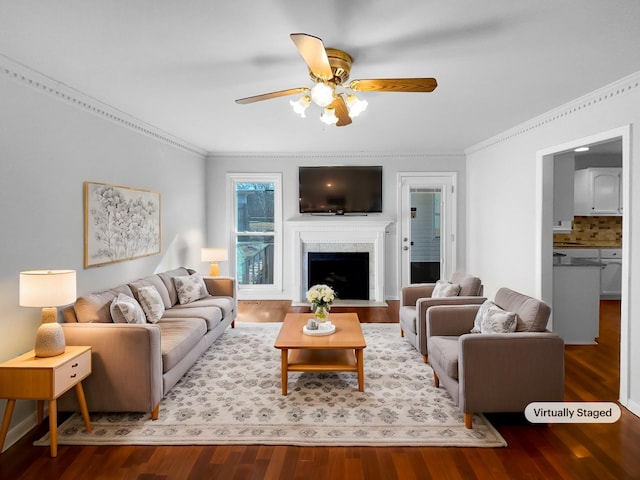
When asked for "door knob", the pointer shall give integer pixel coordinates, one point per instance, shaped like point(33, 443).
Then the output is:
point(405, 248)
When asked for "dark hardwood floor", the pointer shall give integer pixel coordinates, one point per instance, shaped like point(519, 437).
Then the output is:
point(562, 451)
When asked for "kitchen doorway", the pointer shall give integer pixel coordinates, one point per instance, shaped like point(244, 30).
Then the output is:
point(545, 229)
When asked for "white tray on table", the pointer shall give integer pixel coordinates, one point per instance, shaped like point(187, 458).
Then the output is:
point(326, 328)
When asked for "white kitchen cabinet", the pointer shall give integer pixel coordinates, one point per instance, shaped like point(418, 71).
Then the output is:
point(564, 167)
point(597, 191)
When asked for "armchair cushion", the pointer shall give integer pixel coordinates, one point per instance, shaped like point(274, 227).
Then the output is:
point(444, 351)
point(533, 314)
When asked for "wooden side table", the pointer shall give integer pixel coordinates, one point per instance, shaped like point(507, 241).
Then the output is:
point(38, 378)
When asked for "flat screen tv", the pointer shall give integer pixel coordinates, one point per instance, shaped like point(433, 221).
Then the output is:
point(340, 190)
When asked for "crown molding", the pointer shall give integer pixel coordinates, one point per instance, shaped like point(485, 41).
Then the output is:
point(26, 76)
point(604, 94)
point(331, 155)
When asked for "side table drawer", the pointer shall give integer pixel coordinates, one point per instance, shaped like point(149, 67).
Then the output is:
point(67, 375)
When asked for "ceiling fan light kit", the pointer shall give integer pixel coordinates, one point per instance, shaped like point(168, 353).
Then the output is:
point(329, 68)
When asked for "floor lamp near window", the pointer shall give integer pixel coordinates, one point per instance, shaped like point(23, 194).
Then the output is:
point(214, 255)
point(48, 289)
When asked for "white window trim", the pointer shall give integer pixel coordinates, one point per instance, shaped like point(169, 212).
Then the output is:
point(247, 292)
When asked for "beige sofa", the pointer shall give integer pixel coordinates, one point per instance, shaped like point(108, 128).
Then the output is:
point(494, 371)
point(136, 364)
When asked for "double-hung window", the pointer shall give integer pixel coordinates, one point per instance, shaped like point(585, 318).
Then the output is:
point(256, 219)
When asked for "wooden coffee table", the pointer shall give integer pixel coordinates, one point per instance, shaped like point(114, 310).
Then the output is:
point(341, 351)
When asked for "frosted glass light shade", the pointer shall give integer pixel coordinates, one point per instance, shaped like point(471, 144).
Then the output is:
point(300, 105)
point(322, 94)
point(329, 116)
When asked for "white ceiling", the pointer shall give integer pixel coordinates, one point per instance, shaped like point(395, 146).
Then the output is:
point(179, 65)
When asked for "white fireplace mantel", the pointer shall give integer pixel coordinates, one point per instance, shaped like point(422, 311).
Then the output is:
point(370, 233)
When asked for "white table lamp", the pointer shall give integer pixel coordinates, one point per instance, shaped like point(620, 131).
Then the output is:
point(214, 255)
point(48, 289)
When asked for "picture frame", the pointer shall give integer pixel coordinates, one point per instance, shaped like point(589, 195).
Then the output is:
point(120, 223)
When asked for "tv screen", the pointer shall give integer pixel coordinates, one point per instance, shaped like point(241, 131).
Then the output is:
point(340, 189)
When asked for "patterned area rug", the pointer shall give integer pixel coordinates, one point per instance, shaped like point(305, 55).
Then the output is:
point(232, 395)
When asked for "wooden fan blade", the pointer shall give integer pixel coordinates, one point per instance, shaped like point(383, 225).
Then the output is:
point(341, 112)
point(395, 85)
point(268, 96)
point(314, 54)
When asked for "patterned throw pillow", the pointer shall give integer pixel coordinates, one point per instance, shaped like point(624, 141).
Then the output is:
point(497, 320)
point(125, 309)
point(190, 288)
point(477, 328)
point(445, 289)
point(151, 303)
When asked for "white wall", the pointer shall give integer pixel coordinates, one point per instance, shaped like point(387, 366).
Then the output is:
point(48, 148)
point(287, 164)
point(503, 190)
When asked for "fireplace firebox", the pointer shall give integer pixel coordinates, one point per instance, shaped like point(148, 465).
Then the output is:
point(346, 272)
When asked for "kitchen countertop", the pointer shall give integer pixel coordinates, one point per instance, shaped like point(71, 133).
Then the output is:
point(587, 245)
point(559, 261)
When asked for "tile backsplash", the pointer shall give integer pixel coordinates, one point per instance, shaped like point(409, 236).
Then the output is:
point(593, 229)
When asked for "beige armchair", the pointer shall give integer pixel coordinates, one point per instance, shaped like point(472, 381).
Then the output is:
point(496, 372)
point(416, 299)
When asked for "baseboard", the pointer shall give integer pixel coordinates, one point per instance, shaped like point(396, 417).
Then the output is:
point(633, 407)
point(21, 429)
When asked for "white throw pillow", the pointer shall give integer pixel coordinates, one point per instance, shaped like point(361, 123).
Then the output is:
point(151, 303)
point(445, 289)
point(125, 309)
point(477, 323)
point(497, 320)
point(190, 288)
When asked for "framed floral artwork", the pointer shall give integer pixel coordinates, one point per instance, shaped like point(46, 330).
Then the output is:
point(120, 223)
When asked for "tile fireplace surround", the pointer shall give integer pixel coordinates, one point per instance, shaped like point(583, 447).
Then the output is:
point(338, 235)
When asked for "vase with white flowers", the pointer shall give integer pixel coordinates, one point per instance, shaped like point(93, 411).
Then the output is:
point(321, 297)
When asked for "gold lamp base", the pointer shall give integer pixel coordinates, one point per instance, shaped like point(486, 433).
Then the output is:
point(50, 336)
point(214, 269)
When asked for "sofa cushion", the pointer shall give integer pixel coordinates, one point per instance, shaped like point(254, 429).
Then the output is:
point(445, 289)
point(125, 309)
point(533, 314)
point(211, 315)
point(226, 304)
point(178, 337)
point(167, 278)
point(151, 303)
point(444, 352)
point(159, 285)
point(95, 308)
point(190, 288)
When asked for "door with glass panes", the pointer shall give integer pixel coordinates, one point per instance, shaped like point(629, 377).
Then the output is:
point(256, 232)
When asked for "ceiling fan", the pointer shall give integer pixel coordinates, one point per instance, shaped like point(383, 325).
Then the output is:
point(329, 68)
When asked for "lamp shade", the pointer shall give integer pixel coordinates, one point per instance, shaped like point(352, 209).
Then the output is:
point(47, 288)
point(214, 255)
